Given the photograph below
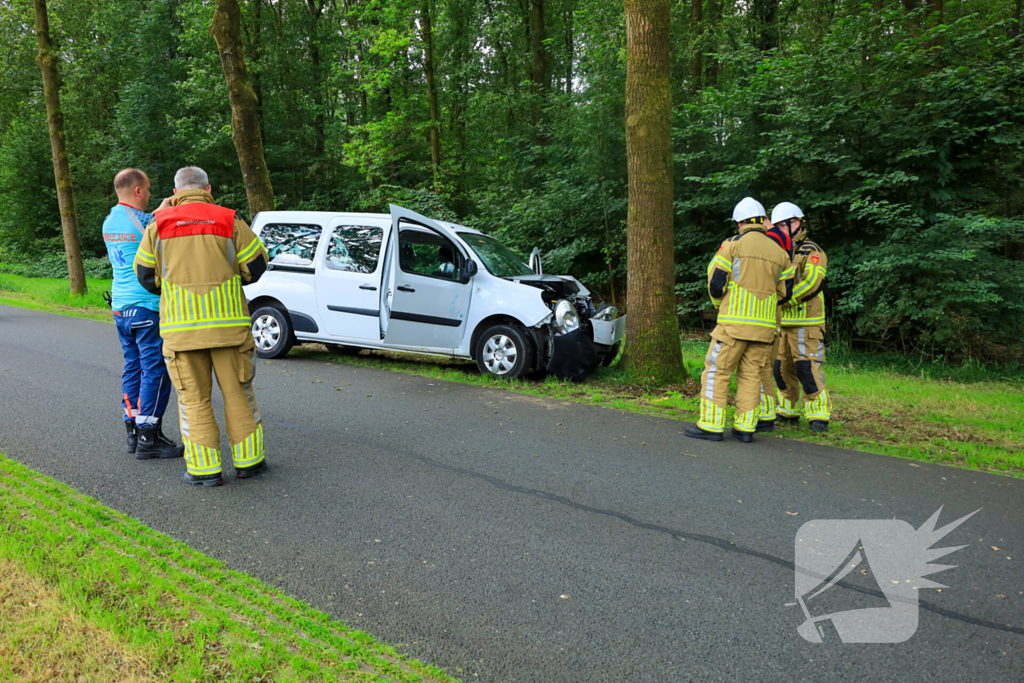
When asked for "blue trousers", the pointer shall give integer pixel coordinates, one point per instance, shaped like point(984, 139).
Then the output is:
point(145, 384)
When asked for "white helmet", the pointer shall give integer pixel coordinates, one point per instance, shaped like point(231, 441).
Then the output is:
point(785, 211)
point(747, 209)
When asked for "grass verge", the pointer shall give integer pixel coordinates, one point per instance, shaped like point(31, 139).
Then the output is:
point(87, 593)
point(966, 416)
point(53, 296)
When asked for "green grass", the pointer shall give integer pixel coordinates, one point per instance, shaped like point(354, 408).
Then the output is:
point(53, 296)
point(965, 415)
point(181, 615)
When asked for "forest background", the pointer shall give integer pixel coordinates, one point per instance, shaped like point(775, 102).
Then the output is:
point(896, 126)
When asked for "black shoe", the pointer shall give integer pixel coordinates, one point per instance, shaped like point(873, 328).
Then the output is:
point(695, 432)
point(133, 436)
point(204, 479)
point(153, 444)
point(788, 420)
point(819, 426)
point(765, 426)
point(246, 472)
point(745, 437)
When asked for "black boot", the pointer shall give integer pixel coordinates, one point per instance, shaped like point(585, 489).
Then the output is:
point(745, 437)
point(133, 436)
point(765, 426)
point(788, 420)
point(695, 432)
point(246, 472)
point(153, 444)
point(819, 426)
point(204, 479)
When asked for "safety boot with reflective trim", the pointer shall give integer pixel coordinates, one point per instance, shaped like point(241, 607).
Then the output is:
point(133, 436)
point(695, 432)
point(204, 479)
point(765, 426)
point(790, 420)
point(745, 437)
point(153, 444)
point(819, 426)
point(246, 472)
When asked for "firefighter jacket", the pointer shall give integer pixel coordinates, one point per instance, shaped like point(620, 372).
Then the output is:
point(748, 279)
point(197, 256)
point(807, 307)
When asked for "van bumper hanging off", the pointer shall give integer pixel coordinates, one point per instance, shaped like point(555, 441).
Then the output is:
point(576, 353)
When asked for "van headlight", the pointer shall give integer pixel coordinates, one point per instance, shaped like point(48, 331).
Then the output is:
point(608, 313)
point(566, 317)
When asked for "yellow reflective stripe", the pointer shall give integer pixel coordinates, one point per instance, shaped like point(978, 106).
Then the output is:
point(231, 322)
point(221, 305)
point(721, 262)
point(812, 276)
point(249, 250)
point(145, 257)
point(747, 309)
point(787, 273)
point(745, 321)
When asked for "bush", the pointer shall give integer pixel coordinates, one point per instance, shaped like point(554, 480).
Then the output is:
point(56, 266)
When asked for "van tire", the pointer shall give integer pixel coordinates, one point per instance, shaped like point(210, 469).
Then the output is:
point(514, 348)
point(275, 338)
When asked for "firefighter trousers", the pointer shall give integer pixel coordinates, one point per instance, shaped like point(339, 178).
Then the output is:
point(725, 356)
point(798, 367)
point(767, 412)
point(192, 375)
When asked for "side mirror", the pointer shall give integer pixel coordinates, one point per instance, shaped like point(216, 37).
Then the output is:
point(469, 270)
point(535, 264)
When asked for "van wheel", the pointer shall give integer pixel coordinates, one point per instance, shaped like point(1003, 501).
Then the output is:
point(504, 351)
point(272, 332)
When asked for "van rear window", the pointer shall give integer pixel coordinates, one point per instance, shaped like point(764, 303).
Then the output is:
point(291, 238)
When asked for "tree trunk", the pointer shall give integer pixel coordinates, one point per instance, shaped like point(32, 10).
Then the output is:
point(697, 63)
point(257, 78)
point(1017, 16)
point(245, 123)
point(47, 63)
point(316, 12)
point(570, 49)
point(652, 328)
point(539, 68)
point(435, 115)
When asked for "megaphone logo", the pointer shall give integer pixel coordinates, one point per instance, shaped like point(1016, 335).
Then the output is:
point(858, 581)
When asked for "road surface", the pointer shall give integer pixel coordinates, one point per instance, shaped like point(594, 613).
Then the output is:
point(512, 538)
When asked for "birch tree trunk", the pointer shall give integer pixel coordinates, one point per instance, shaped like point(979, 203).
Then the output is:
point(652, 328)
point(47, 63)
point(245, 121)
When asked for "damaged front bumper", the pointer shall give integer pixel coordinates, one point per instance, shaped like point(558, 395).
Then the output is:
point(576, 353)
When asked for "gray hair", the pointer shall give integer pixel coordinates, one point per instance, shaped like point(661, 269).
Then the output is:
point(191, 178)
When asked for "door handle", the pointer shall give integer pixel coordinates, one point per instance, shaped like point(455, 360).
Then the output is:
point(405, 288)
point(369, 287)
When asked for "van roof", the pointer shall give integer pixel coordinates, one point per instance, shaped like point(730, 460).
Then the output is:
point(324, 216)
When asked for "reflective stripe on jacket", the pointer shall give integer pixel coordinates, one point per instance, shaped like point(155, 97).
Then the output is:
point(197, 254)
point(808, 305)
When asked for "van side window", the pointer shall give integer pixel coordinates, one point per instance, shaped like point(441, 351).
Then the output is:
point(422, 252)
point(298, 240)
point(354, 248)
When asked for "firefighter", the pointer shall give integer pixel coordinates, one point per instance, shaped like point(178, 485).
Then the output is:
point(145, 386)
point(747, 279)
point(802, 351)
point(197, 255)
point(766, 418)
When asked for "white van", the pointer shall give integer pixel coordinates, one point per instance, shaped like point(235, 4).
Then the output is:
point(404, 282)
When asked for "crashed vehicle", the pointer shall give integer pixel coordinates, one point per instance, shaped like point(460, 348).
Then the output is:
point(404, 282)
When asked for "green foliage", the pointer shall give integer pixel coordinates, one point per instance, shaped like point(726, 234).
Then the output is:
point(56, 266)
point(898, 134)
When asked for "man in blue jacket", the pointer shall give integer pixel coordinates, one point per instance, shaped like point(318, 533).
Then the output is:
point(145, 384)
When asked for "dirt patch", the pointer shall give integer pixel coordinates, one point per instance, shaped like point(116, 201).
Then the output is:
point(900, 427)
point(42, 639)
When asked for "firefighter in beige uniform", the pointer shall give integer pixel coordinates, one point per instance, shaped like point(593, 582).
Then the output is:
point(747, 279)
point(802, 349)
point(198, 255)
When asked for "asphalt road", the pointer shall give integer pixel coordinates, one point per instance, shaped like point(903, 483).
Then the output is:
point(511, 538)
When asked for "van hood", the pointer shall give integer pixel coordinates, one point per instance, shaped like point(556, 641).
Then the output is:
point(561, 286)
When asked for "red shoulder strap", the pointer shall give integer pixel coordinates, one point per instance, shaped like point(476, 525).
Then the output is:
point(195, 218)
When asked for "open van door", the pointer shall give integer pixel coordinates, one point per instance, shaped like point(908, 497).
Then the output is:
point(426, 285)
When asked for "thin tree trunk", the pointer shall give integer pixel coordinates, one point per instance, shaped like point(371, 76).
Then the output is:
point(697, 63)
point(245, 125)
point(652, 328)
point(1017, 17)
point(539, 69)
point(316, 11)
point(257, 78)
point(47, 63)
point(435, 115)
point(570, 49)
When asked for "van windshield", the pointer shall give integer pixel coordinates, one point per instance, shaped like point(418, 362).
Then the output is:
point(499, 259)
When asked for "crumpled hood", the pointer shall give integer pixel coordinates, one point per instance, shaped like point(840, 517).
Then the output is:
point(555, 284)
